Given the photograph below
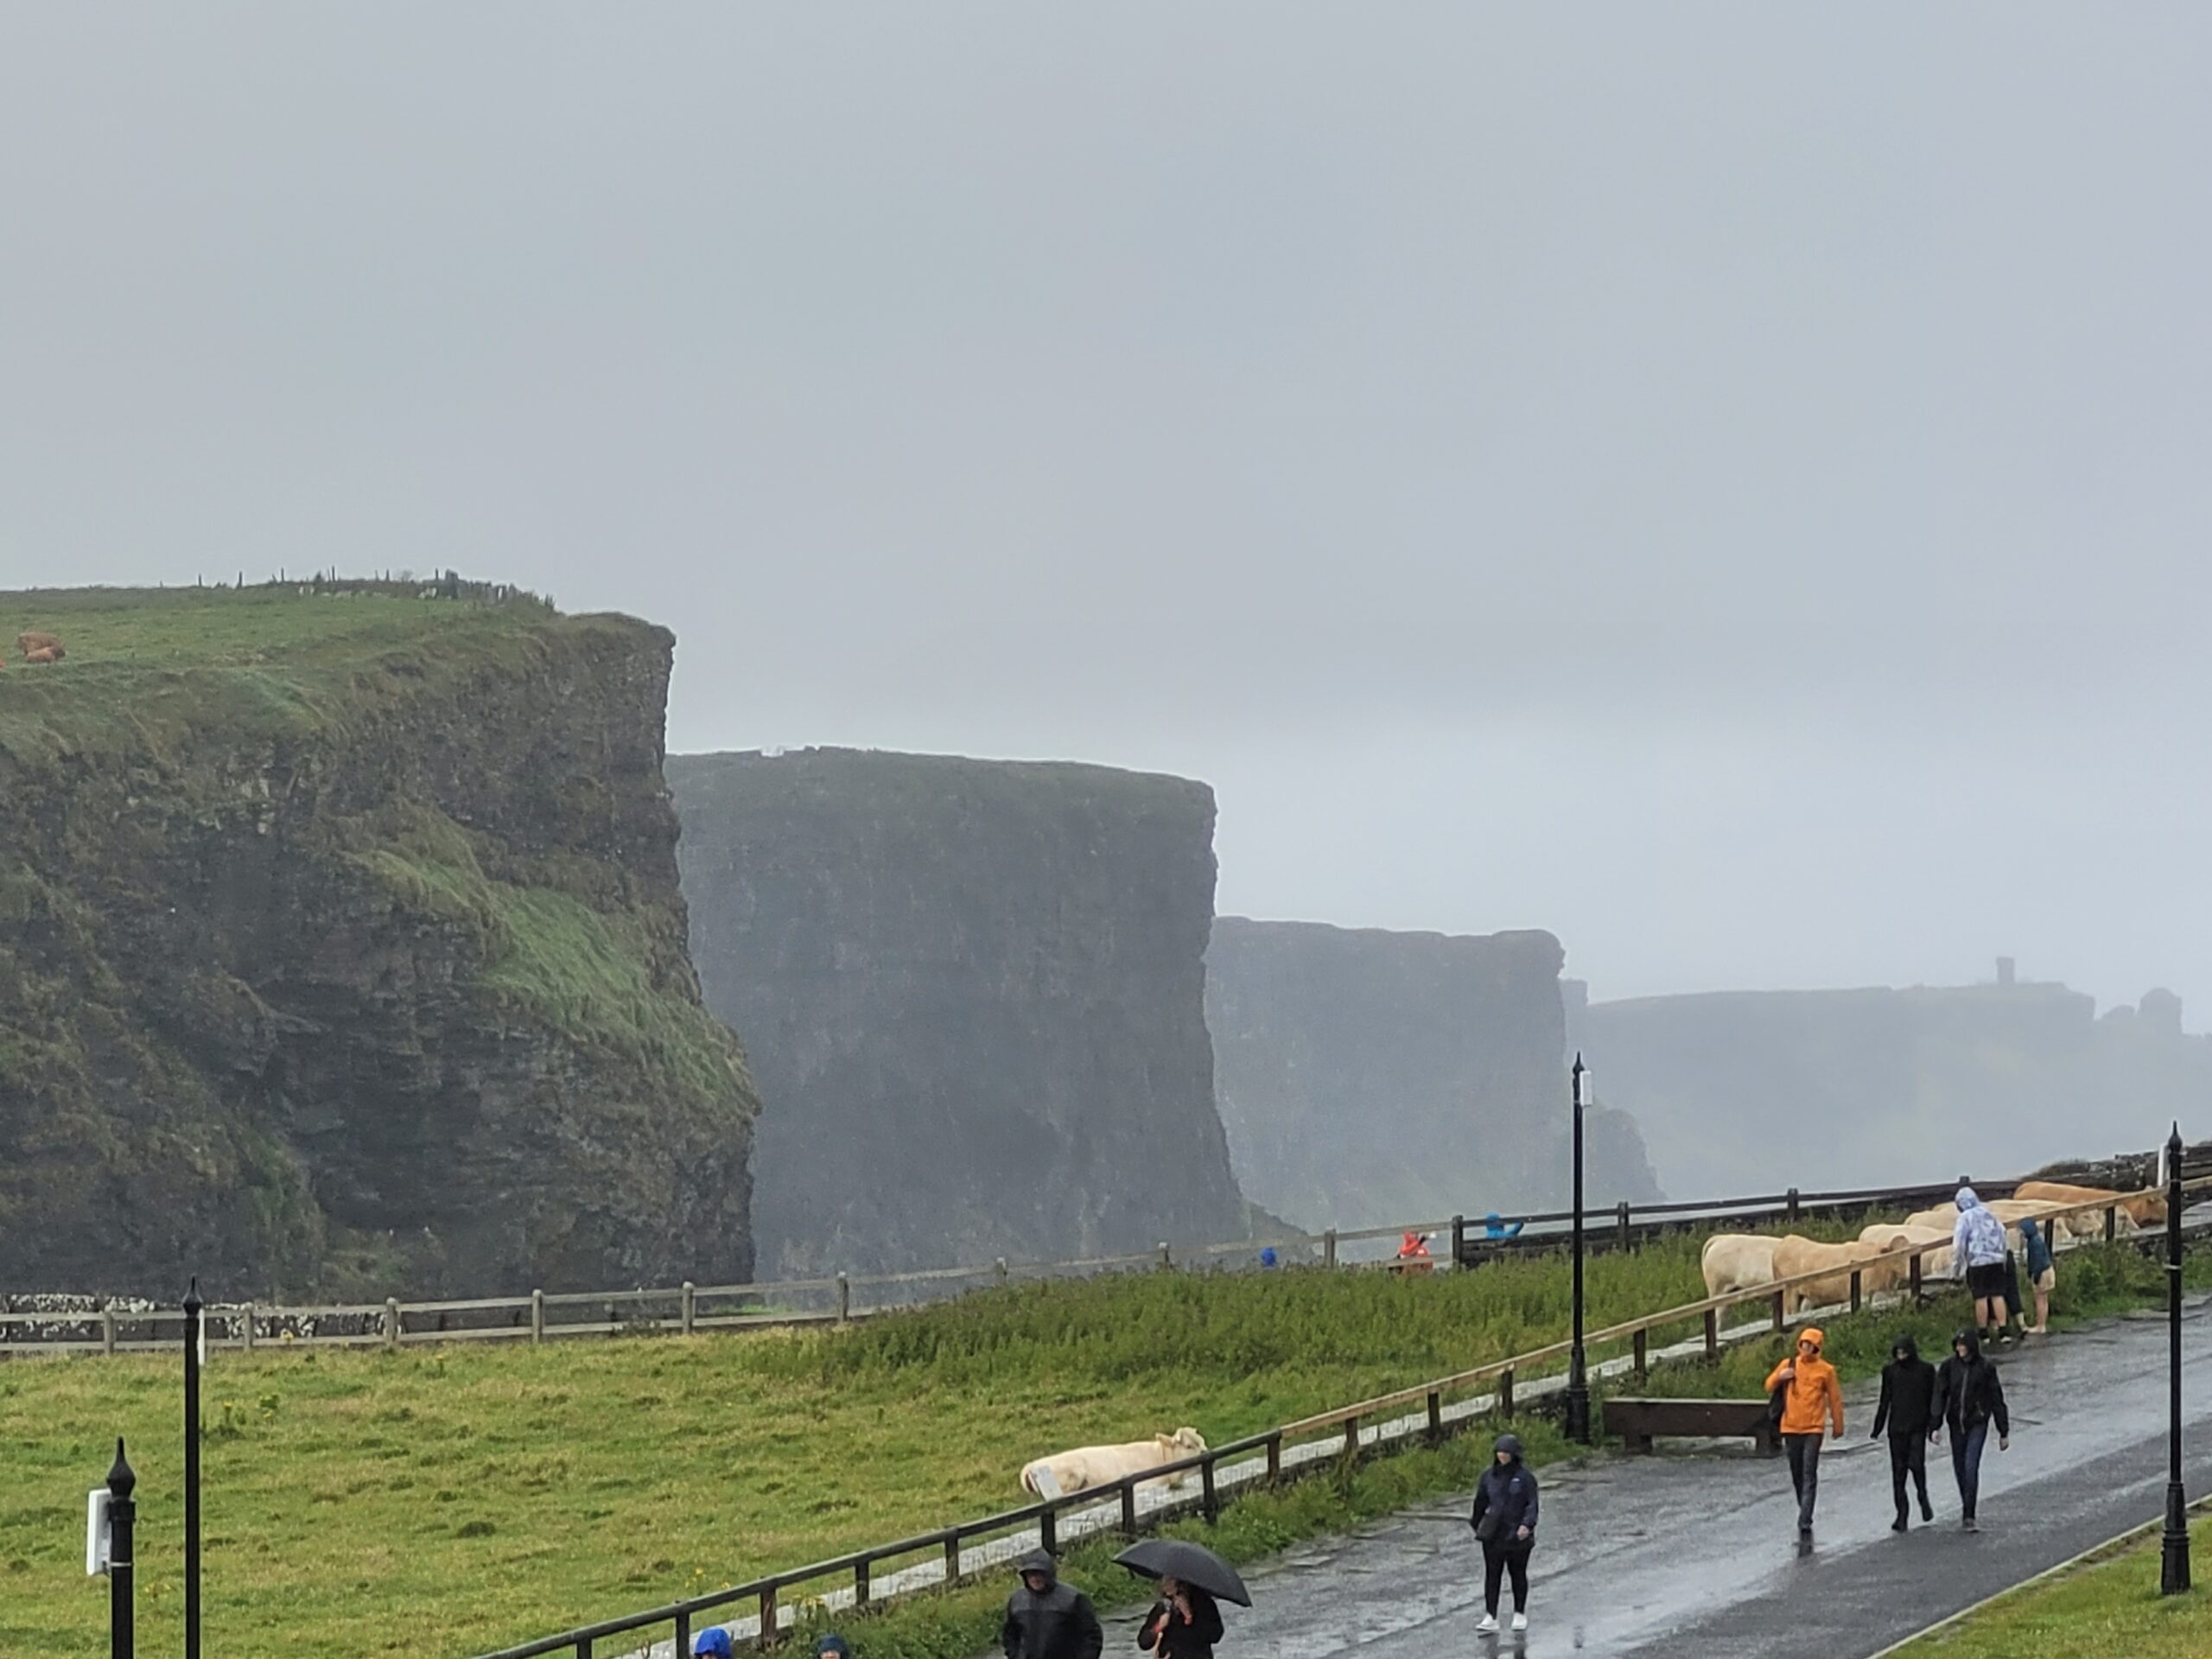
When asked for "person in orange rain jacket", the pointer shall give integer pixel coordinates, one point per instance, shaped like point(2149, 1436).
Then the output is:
point(1413, 1254)
point(1812, 1393)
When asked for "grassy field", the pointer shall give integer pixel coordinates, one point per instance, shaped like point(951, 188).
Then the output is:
point(2111, 1605)
point(442, 1502)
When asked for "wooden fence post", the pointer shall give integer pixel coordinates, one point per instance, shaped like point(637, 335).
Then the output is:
point(1048, 1530)
point(2111, 1222)
point(1621, 1223)
point(107, 1328)
point(844, 1299)
point(392, 1323)
point(951, 1558)
point(690, 1315)
point(1436, 1418)
point(1458, 1243)
point(1912, 1278)
point(770, 1620)
point(1128, 1509)
point(1642, 1357)
point(1854, 1290)
point(1505, 1392)
point(1712, 1334)
point(537, 1317)
point(1274, 1459)
point(1351, 1439)
point(1207, 1497)
point(248, 1327)
point(1781, 1317)
point(1793, 1204)
point(859, 1585)
point(1329, 1248)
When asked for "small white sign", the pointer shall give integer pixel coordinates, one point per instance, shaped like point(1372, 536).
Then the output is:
point(1047, 1485)
point(98, 1537)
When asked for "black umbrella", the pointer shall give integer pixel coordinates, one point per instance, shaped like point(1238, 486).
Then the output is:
point(1191, 1564)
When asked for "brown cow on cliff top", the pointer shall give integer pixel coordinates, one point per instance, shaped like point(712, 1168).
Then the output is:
point(39, 648)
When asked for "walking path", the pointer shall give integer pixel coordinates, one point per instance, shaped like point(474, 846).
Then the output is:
point(1698, 1554)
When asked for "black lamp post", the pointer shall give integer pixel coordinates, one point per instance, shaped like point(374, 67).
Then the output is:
point(2173, 1572)
point(192, 1333)
point(1578, 1379)
point(121, 1514)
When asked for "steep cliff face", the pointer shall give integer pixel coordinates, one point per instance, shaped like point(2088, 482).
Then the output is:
point(1760, 1090)
point(341, 947)
point(1367, 1076)
point(972, 994)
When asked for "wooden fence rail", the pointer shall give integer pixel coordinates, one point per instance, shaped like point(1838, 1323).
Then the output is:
point(1346, 1428)
point(542, 1316)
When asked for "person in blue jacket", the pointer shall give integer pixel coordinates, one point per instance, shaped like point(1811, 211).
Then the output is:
point(1494, 1228)
point(1504, 1519)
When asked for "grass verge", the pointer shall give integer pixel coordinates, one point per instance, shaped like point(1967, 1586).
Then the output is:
point(443, 1502)
point(2110, 1604)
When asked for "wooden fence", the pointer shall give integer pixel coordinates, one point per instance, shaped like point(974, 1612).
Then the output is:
point(1436, 1408)
point(686, 1309)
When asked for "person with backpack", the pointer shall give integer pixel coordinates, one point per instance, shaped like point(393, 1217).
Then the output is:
point(1505, 1520)
point(1908, 1411)
point(2041, 1273)
point(1970, 1397)
point(1813, 1393)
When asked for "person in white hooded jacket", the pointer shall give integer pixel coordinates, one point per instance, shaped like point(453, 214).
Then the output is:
point(1978, 1255)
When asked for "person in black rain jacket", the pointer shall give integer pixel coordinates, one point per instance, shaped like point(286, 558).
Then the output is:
point(1046, 1619)
point(1970, 1397)
point(1908, 1411)
point(1184, 1624)
point(1504, 1519)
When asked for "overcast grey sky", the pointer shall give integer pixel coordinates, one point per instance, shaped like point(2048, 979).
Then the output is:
point(1727, 484)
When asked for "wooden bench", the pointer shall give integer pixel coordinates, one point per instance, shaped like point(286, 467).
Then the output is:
point(1637, 1421)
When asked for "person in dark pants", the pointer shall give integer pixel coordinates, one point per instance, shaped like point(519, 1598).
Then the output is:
point(1815, 1393)
point(1184, 1624)
point(1504, 1519)
point(1970, 1397)
point(1046, 1619)
point(1908, 1411)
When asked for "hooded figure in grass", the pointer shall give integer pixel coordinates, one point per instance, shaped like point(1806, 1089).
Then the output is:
point(1046, 1619)
point(1908, 1411)
point(1813, 1393)
point(1504, 1519)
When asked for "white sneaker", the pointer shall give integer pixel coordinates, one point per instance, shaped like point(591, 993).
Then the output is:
point(1486, 1626)
point(1520, 1621)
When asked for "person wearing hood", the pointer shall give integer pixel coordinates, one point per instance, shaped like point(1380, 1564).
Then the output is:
point(2041, 1273)
point(1970, 1397)
point(1908, 1411)
point(1978, 1252)
point(1496, 1231)
point(1046, 1619)
point(713, 1643)
point(1184, 1624)
point(1814, 1393)
point(1504, 1519)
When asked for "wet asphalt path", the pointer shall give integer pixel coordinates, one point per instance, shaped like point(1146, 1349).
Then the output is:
point(1697, 1552)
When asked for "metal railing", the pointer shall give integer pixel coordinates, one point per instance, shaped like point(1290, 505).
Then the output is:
point(1279, 1454)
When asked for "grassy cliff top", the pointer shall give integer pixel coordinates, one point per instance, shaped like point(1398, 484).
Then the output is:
point(141, 663)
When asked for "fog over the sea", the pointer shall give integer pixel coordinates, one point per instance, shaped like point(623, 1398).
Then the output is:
point(1727, 484)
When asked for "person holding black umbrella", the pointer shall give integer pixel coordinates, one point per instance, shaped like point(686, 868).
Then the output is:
point(1184, 1624)
point(1504, 1519)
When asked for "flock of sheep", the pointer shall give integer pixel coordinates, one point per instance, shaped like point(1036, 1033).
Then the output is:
point(1883, 1253)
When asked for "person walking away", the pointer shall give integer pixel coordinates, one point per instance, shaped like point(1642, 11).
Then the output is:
point(1908, 1411)
point(1046, 1619)
point(1184, 1624)
point(1505, 1520)
point(1970, 1397)
point(2042, 1274)
point(1814, 1393)
point(1978, 1253)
